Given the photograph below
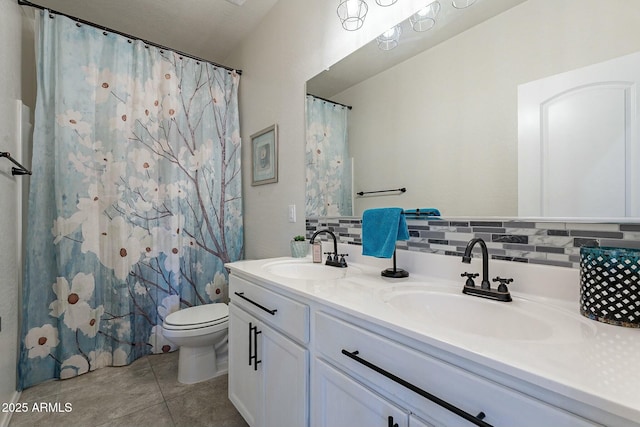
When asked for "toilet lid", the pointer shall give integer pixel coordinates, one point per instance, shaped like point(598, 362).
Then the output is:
point(198, 315)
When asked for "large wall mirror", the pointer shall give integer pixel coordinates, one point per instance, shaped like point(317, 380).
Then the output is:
point(438, 115)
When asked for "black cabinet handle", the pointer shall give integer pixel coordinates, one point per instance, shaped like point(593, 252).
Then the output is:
point(241, 295)
point(477, 420)
point(391, 424)
point(250, 343)
point(253, 346)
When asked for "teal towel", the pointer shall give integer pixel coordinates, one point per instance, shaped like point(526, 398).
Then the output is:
point(381, 228)
point(432, 213)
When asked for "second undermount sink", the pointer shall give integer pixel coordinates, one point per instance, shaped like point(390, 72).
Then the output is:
point(306, 270)
point(521, 319)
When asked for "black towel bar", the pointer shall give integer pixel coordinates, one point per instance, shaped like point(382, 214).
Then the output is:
point(20, 170)
point(362, 193)
point(271, 312)
point(477, 420)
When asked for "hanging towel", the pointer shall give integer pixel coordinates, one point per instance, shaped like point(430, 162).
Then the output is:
point(381, 228)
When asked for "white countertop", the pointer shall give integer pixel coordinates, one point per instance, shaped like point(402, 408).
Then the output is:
point(593, 363)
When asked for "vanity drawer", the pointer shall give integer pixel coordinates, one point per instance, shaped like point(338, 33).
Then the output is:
point(278, 311)
point(377, 356)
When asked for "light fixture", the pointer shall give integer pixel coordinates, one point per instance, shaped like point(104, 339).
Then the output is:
point(352, 13)
point(461, 4)
point(425, 18)
point(390, 38)
point(385, 2)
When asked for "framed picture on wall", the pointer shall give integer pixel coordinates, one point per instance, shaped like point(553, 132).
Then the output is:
point(264, 155)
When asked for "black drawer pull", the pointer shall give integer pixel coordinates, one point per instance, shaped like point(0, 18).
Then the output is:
point(250, 343)
point(391, 423)
point(448, 406)
point(241, 295)
point(253, 354)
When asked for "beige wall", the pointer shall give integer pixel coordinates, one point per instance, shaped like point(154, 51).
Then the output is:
point(297, 40)
point(10, 194)
point(444, 123)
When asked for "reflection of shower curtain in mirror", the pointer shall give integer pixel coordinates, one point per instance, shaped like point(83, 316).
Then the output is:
point(328, 173)
point(135, 200)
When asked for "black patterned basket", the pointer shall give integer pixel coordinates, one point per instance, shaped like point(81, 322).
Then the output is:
point(610, 285)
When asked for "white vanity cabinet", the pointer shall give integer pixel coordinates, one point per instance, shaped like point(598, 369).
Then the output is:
point(268, 361)
point(417, 422)
point(344, 402)
point(339, 401)
point(404, 377)
point(316, 353)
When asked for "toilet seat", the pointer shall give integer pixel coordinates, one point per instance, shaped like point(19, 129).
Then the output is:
point(197, 317)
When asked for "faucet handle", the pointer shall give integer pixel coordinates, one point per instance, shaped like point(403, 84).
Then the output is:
point(470, 277)
point(329, 258)
point(342, 260)
point(502, 287)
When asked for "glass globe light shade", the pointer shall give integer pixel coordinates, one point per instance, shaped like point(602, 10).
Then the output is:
point(461, 4)
point(390, 38)
point(425, 18)
point(352, 13)
point(385, 2)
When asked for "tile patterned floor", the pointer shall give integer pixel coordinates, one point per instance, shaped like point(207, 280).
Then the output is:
point(145, 393)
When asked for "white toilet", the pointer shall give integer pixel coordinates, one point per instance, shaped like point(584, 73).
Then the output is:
point(201, 332)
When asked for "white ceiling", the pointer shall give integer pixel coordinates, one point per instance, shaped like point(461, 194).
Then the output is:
point(208, 29)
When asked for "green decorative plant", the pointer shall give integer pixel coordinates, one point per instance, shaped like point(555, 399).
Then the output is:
point(299, 247)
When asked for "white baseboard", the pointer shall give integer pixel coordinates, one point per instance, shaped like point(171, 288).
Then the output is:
point(6, 417)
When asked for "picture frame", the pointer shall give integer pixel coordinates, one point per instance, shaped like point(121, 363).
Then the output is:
point(264, 156)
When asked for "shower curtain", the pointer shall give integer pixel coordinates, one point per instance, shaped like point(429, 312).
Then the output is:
point(328, 172)
point(135, 199)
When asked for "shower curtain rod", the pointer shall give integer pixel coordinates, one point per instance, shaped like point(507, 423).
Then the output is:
point(92, 24)
point(328, 100)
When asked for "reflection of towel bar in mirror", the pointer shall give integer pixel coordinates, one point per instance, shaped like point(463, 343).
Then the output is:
point(20, 170)
point(362, 193)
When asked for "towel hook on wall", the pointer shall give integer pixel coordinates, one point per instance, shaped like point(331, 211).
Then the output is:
point(20, 170)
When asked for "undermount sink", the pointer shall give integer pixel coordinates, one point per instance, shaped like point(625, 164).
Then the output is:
point(307, 270)
point(521, 319)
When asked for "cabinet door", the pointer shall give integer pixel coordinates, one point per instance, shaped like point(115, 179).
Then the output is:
point(284, 366)
point(244, 379)
point(340, 401)
point(417, 422)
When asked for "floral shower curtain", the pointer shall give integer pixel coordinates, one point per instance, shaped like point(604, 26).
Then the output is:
point(329, 176)
point(135, 200)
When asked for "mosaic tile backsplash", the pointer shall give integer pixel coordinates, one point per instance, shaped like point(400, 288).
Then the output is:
point(550, 243)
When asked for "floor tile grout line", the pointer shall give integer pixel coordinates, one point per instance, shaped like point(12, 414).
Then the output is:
point(164, 398)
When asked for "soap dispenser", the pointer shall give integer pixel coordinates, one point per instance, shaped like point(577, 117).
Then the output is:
point(316, 251)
